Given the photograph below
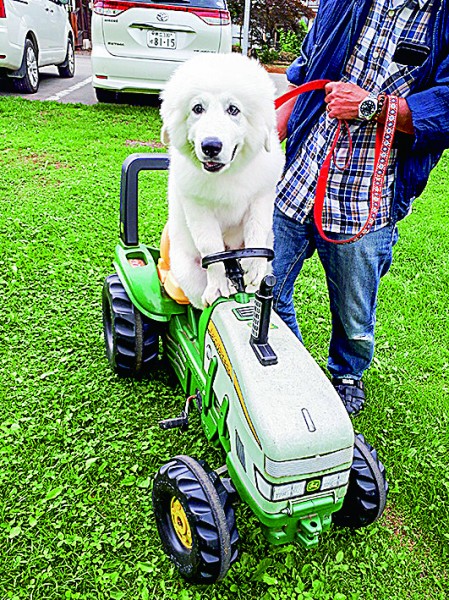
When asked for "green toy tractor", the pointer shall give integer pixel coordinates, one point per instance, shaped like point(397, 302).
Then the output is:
point(289, 448)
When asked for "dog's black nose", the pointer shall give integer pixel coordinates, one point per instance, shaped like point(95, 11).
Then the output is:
point(211, 146)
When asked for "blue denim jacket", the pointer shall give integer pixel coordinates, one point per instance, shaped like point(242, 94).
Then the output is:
point(324, 54)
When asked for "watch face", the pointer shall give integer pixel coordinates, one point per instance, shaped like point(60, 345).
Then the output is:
point(367, 108)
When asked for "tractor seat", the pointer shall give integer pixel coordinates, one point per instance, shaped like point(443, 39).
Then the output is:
point(165, 275)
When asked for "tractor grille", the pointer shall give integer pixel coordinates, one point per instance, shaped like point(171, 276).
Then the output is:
point(244, 313)
point(308, 466)
point(240, 450)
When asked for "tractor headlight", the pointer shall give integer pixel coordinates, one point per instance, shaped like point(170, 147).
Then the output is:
point(335, 480)
point(275, 493)
point(288, 490)
point(295, 489)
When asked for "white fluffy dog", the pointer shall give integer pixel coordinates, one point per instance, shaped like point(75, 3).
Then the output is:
point(225, 160)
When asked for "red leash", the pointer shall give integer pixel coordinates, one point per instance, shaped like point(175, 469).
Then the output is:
point(316, 84)
point(384, 143)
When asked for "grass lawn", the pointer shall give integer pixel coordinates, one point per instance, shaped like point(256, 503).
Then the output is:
point(79, 447)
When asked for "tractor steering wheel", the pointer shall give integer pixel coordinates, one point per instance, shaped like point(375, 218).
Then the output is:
point(231, 261)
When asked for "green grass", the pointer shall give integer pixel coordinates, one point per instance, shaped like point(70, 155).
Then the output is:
point(79, 447)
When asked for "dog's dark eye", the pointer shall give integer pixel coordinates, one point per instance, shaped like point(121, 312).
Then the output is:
point(198, 109)
point(233, 110)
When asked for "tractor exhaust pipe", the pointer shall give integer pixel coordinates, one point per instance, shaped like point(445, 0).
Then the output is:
point(261, 322)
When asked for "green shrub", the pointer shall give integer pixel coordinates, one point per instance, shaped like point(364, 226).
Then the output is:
point(287, 57)
point(291, 41)
point(267, 55)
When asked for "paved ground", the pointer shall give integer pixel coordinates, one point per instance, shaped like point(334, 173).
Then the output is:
point(79, 89)
point(53, 87)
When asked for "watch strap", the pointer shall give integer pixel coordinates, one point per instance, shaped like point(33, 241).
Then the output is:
point(380, 103)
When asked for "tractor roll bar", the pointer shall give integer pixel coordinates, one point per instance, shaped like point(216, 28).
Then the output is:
point(132, 165)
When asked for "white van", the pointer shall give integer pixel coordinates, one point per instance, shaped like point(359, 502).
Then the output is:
point(137, 44)
point(33, 34)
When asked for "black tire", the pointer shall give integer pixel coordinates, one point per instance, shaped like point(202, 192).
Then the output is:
point(195, 520)
point(367, 491)
point(29, 83)
point(67, 69)
point(106, 96)
point(132, 340)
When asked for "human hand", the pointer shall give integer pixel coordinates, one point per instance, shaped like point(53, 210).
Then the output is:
point(343, 99)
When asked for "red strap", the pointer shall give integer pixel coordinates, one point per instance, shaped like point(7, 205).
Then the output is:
point(384, 143)
point(316, 84)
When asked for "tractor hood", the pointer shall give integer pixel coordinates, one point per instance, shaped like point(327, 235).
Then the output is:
point(290, 408)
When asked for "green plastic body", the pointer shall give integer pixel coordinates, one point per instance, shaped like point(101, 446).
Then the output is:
point(142, 283)
point(272, 433)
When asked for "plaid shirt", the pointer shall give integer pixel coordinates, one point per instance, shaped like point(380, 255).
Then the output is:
point(371, 67)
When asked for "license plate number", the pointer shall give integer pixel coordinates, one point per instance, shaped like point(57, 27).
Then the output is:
point(161, 39)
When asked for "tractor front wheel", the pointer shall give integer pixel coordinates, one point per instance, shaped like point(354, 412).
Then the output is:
point(195, 519)
point(367, 491)
point(132, 340)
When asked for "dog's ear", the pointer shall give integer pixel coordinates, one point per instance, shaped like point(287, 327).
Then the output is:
point(165, 138)
point(267, 142)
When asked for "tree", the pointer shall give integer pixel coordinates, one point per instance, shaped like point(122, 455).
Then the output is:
point(270, 16)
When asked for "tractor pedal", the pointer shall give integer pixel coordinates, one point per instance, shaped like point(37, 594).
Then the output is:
point(230, 490)
point(229, 486)
point(182, 422)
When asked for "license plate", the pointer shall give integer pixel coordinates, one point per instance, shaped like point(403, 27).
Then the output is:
point(161, 39)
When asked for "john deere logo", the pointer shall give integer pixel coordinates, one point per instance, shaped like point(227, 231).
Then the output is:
point(313, 486)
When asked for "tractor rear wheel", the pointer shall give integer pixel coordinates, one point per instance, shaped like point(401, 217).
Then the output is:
point(195, 519)
point(132, 340)
point(367, 491)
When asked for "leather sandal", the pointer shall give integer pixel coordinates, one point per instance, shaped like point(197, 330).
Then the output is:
point(351, 392)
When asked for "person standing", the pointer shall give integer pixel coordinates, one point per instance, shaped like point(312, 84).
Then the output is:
point(384, 59)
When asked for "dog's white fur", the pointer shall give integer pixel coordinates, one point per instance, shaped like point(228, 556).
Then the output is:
point(232, 207)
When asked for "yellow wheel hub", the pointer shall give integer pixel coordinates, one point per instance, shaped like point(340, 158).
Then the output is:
point(180, 523)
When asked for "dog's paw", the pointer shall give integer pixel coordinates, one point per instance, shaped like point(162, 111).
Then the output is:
point(217, 285)
point(255, 271)
point(213, 292)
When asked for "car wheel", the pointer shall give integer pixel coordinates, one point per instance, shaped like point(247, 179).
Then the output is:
point(367, 491)
point(106, 96)
point(131, 339)
point(195, 519)
point(29, 83)
point(67, 69)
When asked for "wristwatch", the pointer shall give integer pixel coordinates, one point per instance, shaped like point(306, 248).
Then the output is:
point(368, 108)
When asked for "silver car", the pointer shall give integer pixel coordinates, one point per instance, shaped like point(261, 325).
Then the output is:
point(136, 45)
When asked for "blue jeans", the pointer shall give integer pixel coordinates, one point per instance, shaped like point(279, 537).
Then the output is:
point(353, 273)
